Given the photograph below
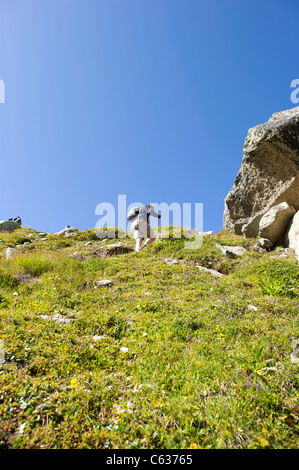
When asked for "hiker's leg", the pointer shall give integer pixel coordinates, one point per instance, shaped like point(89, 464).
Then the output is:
point(138, 243)
point(149, 241)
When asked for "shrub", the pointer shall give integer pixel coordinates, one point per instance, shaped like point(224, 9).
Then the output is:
point(34, 265)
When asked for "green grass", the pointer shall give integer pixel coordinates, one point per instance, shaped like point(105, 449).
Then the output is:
point(168, 357)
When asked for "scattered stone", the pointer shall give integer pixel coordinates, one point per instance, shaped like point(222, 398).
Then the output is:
point(97, 338)
point(87, 243)
point(231, 251)
point(265, 243)
point(60, 319)
point(206, 234)
point(42, 234)
point(211, 271)
point(8, 225)
point(105, 283)
point(10, 252)
point(68, 231)
point(170, 261)
point(259, 249)
point(115, 245)
point(274, 222)
point(72, 234)
point(269, 173)
point(295, 353)
point(252, 307)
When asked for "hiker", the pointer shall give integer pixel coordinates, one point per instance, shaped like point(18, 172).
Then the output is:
point(17, 220)
point(139, 218)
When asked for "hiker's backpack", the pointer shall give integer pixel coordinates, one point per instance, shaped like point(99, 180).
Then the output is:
point(133, 213)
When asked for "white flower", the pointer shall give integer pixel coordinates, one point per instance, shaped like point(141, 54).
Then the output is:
point(124, 349)
point(97, 338)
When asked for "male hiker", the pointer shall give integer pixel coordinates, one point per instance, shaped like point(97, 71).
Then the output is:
point(139, 218)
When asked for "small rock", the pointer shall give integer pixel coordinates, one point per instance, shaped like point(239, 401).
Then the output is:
point(87, 243)
point(252, 307)
point(265, 243)
point(97, 338)
point(105, 283)
point(10, 252)
point(211, 271)
point(67, 231)
point(231, 251)
point(170, 261)
point(57, 318)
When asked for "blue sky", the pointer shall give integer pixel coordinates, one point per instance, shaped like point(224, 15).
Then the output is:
point(148, 98)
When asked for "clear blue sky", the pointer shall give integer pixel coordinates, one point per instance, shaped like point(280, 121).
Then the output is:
point(148, 98)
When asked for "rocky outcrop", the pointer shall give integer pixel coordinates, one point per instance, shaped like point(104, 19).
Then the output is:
point(8, 225)
point(269, 174)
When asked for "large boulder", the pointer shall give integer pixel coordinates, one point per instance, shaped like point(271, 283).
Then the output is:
point(269, 173)
point(274, 222)
point(8, 225)
point(291, 236)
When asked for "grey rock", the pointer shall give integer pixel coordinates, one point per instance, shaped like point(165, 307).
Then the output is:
point(231, 251)
point(211, 271)
point(269, 173)
point(60, 319)
point(67, 231)
point(291, 237)
point(10, 252)
point(8, 226)
point(170, 261)
point(265, 243)
point(104, 283)
point(252, 307)
point(274, 222)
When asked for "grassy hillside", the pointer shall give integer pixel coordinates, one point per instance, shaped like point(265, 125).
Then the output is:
point(169, 356)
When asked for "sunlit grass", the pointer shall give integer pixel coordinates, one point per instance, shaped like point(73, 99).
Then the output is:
point(167, 357)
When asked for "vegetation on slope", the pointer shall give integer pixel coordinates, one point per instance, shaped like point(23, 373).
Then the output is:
point(169, 356)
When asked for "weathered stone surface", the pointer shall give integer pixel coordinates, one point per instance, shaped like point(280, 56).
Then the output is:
point(269, 173)
point(10, 252)
point(274, 222)
point(170, 261)
point(8, 225)
point(291, 237)
point(68, 231)
point(231, 251)
point(265, 243)
point(211, 271)
point(104, 283)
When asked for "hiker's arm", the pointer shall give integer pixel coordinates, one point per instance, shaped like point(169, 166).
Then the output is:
point(155, 214)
